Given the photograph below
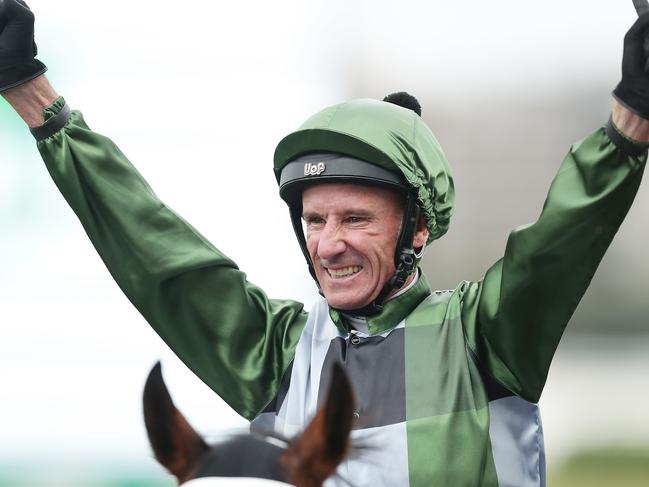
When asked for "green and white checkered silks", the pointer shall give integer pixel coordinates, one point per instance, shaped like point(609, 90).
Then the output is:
point(460, 410)
point(427, 414)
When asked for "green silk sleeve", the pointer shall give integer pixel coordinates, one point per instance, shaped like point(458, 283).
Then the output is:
point(224, 328)
point(515, 316)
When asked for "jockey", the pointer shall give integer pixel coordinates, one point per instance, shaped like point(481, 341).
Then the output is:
point(447, 382)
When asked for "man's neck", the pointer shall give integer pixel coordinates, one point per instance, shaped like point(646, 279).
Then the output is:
point(412, 279)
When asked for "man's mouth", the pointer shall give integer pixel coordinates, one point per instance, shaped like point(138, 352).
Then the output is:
point(343, 272)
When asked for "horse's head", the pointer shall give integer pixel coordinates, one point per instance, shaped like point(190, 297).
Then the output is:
point(305, 461)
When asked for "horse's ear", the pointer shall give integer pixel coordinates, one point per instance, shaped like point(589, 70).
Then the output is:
point(315, 454)
point(175, 443)
point(339, 414)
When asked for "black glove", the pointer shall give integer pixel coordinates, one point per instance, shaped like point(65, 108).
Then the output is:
point(633, 90)
point(17, 46)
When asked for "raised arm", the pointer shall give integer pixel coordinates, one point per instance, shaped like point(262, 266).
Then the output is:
point(224, 328)
point(516, 315)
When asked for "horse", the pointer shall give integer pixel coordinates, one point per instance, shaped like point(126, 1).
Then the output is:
point(305, 461)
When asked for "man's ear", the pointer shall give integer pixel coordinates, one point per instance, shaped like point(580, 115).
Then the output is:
point(175, 443)
point(315, 454)
point(421, 233)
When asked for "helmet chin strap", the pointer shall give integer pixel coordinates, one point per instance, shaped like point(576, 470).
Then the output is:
point(405, 258)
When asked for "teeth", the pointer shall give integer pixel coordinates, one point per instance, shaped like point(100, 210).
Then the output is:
point(345, 271)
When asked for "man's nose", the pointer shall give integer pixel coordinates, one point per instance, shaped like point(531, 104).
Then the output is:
point(331, 242)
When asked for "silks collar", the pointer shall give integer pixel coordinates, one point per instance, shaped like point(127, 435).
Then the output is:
point(394, 310)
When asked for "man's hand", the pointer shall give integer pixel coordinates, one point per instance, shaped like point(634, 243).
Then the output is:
point(17, 46)
point(21, 83)
point(633, 89)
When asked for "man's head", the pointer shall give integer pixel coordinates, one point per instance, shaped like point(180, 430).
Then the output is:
point(370, 157)
point(351, 237)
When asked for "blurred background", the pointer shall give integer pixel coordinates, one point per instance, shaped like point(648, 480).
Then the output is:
point(197, 95)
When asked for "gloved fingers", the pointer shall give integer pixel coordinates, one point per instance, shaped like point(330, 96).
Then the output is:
point(23, 12)
point(4, 15)
point(636, 46)
point(641, 6)
point(30, 14)
point(15, 8)
point(14, 11)
point(638, 29)
point(22, 5)
point(16, 32)
point(15, 15)
point(17, 47)
point(26, 13)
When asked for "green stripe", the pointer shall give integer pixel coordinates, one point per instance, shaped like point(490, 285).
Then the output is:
point(451, 450)
point(446, 405)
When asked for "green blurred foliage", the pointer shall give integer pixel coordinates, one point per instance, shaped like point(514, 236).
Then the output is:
point(83, 475)
point(22, 482)
point(603, 468)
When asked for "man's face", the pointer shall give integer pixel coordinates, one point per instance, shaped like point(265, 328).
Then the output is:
point(351, 233)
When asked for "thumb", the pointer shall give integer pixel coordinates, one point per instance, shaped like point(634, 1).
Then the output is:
point(3, 14)
point(641, 6)
point(635, 52)
point(12, 10)
point(639, 27)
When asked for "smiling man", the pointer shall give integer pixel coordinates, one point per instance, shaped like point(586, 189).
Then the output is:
point(352, 232)
point(447, 382)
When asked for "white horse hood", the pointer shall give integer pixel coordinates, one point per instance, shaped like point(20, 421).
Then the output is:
point(232, 482)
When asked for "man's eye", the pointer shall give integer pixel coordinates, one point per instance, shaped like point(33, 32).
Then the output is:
point(355, 219)
point(314, 221)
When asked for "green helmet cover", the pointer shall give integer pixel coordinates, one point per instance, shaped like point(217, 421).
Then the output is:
point(388, 136)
